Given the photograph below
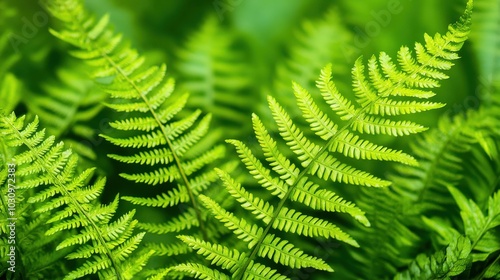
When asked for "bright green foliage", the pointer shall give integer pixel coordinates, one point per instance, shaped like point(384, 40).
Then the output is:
point(214, 72)
point(294, 180)
point(36, 258)
point(148, 123)
point(68, 204)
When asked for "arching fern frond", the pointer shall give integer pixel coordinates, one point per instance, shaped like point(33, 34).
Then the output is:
point(104, 246)
point(386, 90)
point(149, 121)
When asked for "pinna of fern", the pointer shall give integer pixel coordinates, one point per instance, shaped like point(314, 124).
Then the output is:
point(388, 90)
point(168, 145)
point(103, 245)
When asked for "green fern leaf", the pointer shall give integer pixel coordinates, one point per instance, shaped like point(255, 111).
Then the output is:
point(151, 120)
point(103, 245)
point(295, 178)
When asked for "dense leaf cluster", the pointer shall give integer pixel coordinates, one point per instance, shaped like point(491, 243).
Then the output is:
point(115, 168)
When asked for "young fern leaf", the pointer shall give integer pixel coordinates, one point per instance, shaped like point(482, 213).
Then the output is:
point(294, 180)
point(104, 246)
point(150, 119)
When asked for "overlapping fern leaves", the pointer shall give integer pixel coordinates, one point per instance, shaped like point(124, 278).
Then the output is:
point(162, 142)
point(103, 246)
point(386, 90)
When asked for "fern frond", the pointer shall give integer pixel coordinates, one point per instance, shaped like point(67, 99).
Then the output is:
point(440, 164)
point(103, 245)
point(381, 94)
point(151, 121)
point(28, 239)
